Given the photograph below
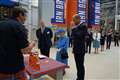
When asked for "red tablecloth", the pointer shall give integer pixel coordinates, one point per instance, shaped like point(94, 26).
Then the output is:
point(47, 66)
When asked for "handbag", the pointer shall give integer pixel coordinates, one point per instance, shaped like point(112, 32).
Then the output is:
point(64, 54)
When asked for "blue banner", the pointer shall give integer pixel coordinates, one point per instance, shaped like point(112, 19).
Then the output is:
point(97, 12)
point(82, 10)
point(7, 3)
point(59, 12)
point(94, 12)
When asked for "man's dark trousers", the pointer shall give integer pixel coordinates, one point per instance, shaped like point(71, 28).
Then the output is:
point(88, 45)
point(108, 43)
point(45, 51)
point(79, 59)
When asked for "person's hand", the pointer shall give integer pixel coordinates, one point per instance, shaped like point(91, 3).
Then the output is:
point(32, 44)
point(28, 49)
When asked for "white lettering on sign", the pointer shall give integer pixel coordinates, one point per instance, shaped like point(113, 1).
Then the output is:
point(59, 13)
point(15, 0)
point(60, 6)
point(97, 7)
point(97, 11)
point(97, 17)
point(59, 17)
point(82, 5)
point(82, 17)
point(81, 21)
point(81, 12)
point(60, 21)
point(59, 2)
point(82, 1)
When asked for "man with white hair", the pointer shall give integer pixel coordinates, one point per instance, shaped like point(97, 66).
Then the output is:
point(44, 35)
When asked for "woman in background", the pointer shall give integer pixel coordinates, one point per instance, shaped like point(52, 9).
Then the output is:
point(96, 41)
point(62, 45)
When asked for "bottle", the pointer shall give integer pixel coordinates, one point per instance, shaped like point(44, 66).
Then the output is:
point(34, 61)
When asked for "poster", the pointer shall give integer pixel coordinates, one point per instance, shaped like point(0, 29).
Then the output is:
point(94, 12)
point(82, 10)
point(97, 12)
point(59, 12)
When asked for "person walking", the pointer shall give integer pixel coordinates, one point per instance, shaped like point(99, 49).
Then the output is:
point(116, 39)
point(13, 44)
point(109, 38)
point(62, 45)
point(102, 41)
point(89, 39)
point(44, 36)
point(96, 41)
point(78, 36)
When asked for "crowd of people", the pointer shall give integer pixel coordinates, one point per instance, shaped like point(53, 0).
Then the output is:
point(99, 39)
point(14, 43)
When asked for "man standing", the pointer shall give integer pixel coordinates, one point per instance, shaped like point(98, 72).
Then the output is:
point(78, 36)
point(13, 43)
point(89, 38)
point(109, 38)
point(44, 36)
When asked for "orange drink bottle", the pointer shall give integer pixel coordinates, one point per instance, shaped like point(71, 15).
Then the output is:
point(34, 61)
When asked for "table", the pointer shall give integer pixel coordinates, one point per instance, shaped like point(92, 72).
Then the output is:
point(47, 66)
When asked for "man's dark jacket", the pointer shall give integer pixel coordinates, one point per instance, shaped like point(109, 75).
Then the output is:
point(44, 39)
point(78, 37)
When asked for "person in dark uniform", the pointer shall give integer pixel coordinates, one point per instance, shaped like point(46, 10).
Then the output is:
point(109, 38)
point(116, 39)
point(78, 36)
point(102, 41)
point(89, 39)
point(13, 43)
point(44, 36)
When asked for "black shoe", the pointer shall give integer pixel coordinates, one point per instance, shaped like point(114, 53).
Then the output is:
point(64, 72)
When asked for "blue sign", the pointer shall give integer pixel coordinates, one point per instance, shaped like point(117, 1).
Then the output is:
point(59, 12)
point(97, 12)
point(82, 10)
point(94, 12)
point(7, 3)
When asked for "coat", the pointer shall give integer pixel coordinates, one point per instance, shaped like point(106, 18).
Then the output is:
point(62, 43)
point(78, 37)
point(44, 39)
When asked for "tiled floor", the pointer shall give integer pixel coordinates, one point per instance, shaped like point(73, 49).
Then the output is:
point(102, 66)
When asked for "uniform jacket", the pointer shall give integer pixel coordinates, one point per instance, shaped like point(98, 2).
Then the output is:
point(78, 37)
point(44, 39)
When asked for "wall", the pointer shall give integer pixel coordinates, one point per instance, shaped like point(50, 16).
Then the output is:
point(32, 20)
point(47, 10)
